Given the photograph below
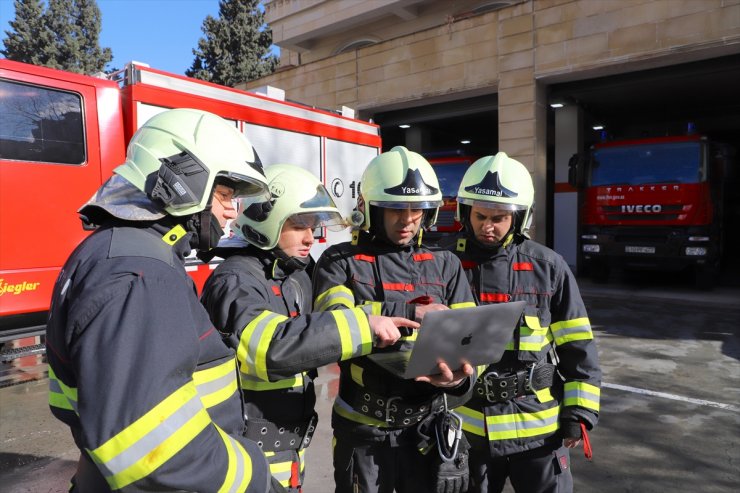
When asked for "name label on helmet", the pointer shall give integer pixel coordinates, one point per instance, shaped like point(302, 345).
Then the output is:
point(413, 184)
point(424, 190)
point(491, 185)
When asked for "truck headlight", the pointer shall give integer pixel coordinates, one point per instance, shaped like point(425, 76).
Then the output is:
point(696, 251)
point(593, 248)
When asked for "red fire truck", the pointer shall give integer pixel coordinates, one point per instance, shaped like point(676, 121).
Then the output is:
point(657, 203)
point(61, 135)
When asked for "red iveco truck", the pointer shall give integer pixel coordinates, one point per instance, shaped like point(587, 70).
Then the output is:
point(61, 135)
point(657, 203)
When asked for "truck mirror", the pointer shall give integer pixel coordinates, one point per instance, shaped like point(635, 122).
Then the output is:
point(575, 170)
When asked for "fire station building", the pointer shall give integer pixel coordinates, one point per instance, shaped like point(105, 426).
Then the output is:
point(538, 79)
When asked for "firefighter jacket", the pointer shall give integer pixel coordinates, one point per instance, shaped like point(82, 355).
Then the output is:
point(140, 375)
point(264, 308)
point(521, 401)
point(389, 279)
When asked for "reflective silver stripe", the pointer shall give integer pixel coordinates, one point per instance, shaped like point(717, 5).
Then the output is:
point(359, 341)
point(146, 444)
point(339, 298)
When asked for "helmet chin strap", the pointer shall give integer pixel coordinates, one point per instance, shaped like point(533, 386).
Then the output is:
point(206, 228)
point(292, 263)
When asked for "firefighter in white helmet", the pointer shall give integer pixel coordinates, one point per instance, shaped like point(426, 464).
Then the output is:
point(379, 419)
point(543, 396)
point(136, 370)
point(259, 298)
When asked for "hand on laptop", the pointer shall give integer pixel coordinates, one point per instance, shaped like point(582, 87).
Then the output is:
point(447, 377)
point(386, 328)
point(421, 310)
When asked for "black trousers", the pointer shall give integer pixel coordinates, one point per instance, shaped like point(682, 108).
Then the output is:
point(543, 470)
point(380, 467)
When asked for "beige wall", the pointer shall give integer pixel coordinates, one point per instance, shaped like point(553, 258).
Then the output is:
point(516, 52)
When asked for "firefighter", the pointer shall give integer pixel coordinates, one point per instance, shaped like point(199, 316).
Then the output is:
point(136, 369)
point(260, 300)
point(381, 421)
point(528, 409)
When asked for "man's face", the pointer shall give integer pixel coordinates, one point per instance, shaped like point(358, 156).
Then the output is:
point(401, 225)
point(490, 225)
point(222, 206)
point(295, 239)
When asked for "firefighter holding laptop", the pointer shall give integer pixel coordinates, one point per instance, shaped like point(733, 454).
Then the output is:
point(540, 400)
point(384, 426)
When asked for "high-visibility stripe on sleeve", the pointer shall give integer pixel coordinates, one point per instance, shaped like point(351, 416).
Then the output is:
point(239, 469)
point(216, 385)
point(250, 382)
point(255, 341)
point(464, 304)
point(582, 394)
point(354, 332)
point(150, 441)
point(577, 329)
point(375, 307)
point(338, 295)
point(61, 396)
point(522, 425)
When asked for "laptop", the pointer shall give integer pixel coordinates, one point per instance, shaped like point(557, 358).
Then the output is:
point(476, 335)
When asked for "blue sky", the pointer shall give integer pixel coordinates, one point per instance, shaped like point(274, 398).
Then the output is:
point(161, 33)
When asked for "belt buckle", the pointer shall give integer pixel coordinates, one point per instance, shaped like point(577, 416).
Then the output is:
point(391, 408)
point(488, 386)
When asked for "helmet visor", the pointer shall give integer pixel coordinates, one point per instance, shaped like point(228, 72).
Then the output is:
point(488, 204)
point(319, 200)
point(244, 186)
point(314, 220)
point(422, 204)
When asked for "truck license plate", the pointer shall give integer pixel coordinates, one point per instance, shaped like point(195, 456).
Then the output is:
point(639, 249)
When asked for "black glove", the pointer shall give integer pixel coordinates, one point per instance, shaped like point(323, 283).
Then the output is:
point(451, 458)
point(453, 476)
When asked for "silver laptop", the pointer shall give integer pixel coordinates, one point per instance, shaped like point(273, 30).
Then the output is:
point(476, 335)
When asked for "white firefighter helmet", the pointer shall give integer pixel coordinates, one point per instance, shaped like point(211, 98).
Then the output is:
point(177, 157)
point(497, 182)
point(400, 179)
point(296, 194)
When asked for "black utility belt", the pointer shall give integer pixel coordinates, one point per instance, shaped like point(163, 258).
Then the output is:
point(501, 387)
point(396, 411)
point(277, 437)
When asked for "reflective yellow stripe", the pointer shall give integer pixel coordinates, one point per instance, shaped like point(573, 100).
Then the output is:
point(522, 425)
point(354, 332)
point(582, 394)
point(473, 421)
point(464, 304)
point(376, 307)
point(215, 385)
point(239, 468)
point(338, 295)
point(250, 382)
point(411, 337)
point(255, 341)
point(577, 329)
point(153, 439)
point(356, 372)
point(60, 395)
point(532, 337)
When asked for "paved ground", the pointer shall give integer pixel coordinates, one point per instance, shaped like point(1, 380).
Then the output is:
point(670, 402)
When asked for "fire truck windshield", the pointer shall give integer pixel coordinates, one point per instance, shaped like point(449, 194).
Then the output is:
point(449, 176)
point(668, 162)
